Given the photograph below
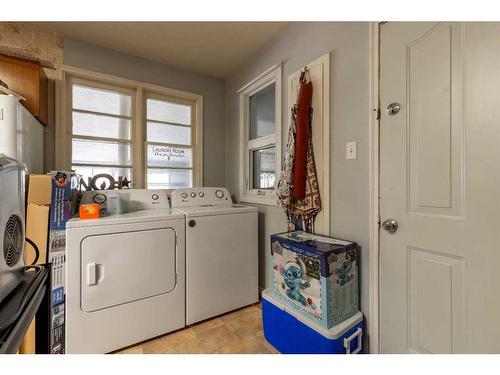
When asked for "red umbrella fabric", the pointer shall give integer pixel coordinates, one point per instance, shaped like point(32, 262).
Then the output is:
point(302, 138)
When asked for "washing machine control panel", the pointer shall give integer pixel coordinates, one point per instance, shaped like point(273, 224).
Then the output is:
point(205, 196)
point(114, 202)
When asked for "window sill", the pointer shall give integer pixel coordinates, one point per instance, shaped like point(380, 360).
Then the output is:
point(265, 200)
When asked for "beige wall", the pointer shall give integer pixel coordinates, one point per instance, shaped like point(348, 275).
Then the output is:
point(98, 59)
point(44, 45)
point(297, 45)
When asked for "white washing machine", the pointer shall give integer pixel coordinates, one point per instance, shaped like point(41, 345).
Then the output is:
point(125, 275)
point(221, 252)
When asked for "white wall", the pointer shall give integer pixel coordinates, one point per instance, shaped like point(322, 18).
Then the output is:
point(297, 45)
point(98, 59)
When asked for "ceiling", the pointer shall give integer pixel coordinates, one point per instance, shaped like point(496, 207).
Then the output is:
point(212, 48)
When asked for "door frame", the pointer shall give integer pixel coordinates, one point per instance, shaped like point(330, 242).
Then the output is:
point(373, 321)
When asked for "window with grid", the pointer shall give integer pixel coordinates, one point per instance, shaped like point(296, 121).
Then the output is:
point(101, 131)
point(169, 143)
point(260, 143)
point(262, 139)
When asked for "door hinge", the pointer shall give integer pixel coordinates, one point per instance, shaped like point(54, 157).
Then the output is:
point(379, 221)
point(377, 111)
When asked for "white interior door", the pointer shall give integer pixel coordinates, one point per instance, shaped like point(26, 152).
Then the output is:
point(440, 180)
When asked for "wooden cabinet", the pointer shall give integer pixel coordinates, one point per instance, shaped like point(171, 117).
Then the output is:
point(28, 79)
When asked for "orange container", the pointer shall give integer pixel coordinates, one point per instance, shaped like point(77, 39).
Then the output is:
point(89, 211)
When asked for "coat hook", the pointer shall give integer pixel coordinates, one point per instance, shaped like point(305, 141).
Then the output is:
point(303, 73)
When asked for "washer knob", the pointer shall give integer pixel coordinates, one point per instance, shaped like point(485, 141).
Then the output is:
point(193, 195)
point(219, 194)
point(201, 194)
point(184, 195)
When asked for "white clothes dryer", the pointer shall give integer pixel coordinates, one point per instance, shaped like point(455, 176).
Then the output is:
point(125, 276)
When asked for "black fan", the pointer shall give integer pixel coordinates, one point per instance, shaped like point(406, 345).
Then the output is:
point(13, 241)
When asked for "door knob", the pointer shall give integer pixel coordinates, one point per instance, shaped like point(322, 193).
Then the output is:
point(390, 225)
point(191, 223)
point(393, 109)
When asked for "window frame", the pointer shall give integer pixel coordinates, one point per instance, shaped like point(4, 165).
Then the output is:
point(194, 136)
point(247, 193)
point(67, 75)
point(132, 141)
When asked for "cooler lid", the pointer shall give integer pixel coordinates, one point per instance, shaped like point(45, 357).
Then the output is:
point(332, 334)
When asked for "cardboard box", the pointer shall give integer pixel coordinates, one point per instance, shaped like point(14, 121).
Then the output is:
point(64, 190)
point(39, 189)
point(316, 276)
point(37, 230)
point(29, 341)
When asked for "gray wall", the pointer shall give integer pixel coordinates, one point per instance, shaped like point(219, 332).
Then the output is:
point(87, 56)
point(297, 45)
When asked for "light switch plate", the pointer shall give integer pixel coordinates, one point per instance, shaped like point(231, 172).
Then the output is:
point(350, 150)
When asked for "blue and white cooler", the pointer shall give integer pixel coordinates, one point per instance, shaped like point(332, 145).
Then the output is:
point(291, 333)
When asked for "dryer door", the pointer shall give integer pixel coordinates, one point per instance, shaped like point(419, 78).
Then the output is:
point(121, 268)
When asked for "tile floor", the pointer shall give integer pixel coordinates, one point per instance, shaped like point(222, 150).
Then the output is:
point(238, 332)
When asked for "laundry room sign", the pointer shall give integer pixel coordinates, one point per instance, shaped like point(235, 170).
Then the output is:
point(167, 152)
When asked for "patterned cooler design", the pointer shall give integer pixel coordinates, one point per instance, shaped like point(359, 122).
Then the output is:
point(316, 275)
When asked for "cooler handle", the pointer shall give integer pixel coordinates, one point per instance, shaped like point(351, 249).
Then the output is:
point(347, 342)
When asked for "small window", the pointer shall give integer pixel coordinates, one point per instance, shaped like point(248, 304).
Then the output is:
point(263, 167)
point(260, 125)
point(169, 154)
point(262, 112)
point(101, 131)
